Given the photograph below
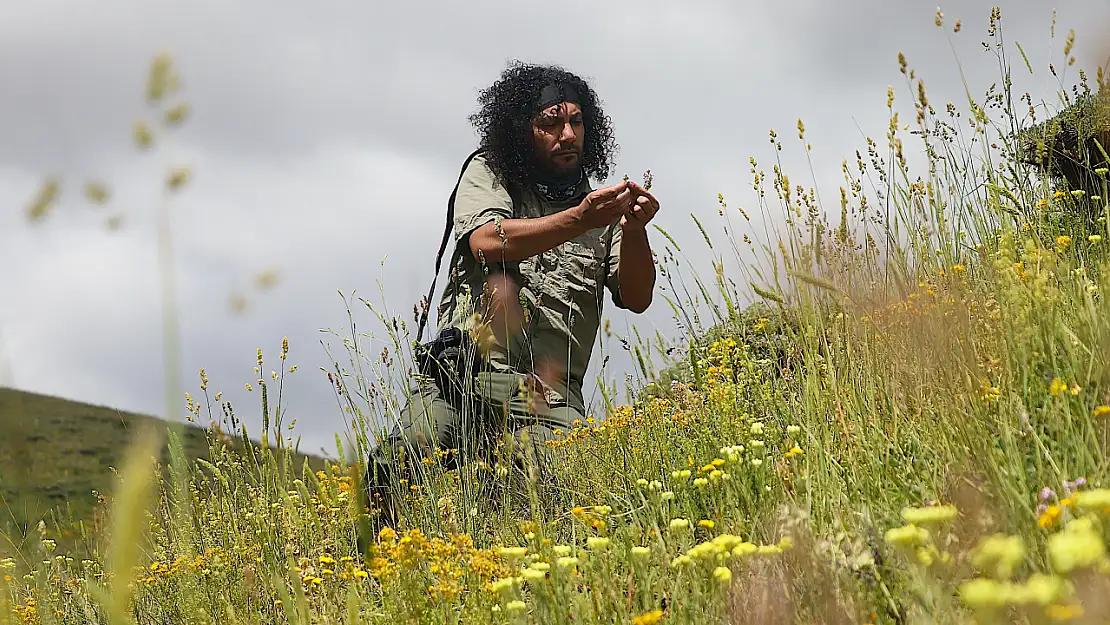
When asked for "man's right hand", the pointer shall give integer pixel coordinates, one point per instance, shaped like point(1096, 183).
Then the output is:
point(604, 207)
point(517, 239)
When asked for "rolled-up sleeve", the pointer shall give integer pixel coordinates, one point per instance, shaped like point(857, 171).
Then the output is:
point(613, 280)
point(480, 200)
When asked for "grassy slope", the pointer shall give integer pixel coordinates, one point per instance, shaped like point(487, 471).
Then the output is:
point(54, 453)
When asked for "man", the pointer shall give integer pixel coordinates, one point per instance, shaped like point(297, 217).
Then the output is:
point(536, 248)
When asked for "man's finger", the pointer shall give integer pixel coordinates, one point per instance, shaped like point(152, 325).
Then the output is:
point(642, 192)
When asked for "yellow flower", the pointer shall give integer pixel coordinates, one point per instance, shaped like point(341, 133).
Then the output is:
point(907, 536)
point(648, 618)
point(1102, 411)
point(678, 525)
point(1058, 387)
point(722, 574)
point(1048, 517)
point(1064, 612)
point(706, 523)
point(929, 514)
point(1079, 546)
point(566, 562)
point(597, 543)
point(514, 552)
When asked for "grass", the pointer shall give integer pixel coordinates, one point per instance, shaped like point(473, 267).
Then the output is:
point(58, 455)
point(911, 428)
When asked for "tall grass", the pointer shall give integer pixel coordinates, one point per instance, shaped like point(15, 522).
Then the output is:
point(911, 427)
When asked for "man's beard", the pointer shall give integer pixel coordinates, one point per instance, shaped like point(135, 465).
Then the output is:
point(557, 183)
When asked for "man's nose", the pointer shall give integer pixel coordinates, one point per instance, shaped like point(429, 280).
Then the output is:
point(568, 135)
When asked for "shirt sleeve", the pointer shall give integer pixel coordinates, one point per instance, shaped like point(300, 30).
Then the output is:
point(613, 280)
point(480, 200)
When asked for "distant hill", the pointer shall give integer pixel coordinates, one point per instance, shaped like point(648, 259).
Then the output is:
point(54, 453)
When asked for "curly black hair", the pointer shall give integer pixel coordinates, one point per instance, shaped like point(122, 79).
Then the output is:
point(504, 123)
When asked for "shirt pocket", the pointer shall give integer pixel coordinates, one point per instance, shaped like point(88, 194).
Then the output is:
point(580, 275)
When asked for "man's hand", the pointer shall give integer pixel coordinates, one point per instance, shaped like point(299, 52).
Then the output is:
point(644, 208)
point(604, 206)
point(513, 240)
point(636, 267)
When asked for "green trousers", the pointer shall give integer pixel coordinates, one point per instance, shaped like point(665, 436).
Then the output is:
point(500, 412)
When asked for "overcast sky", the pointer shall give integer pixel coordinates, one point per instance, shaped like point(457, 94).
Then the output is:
point(325, 138)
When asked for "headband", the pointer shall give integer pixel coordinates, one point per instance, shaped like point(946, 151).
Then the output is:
point(553, 94)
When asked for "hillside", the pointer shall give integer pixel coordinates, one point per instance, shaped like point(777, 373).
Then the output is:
point(54, 453)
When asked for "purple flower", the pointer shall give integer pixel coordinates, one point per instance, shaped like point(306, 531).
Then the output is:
point(1046, 493)
point(1080, 483)
point(1041, 509)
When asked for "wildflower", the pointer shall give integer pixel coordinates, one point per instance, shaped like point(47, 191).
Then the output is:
point(514, 552)
point(907, 536)
point(681, 475)
point(1048, 517)
point(756, 429)
point(701, 482)
point(929, 515)
point(642, 483)
point(744, 549)
point(793, 429)
point(503, 585)
point(597, 543)
point(515, 606)
point(1078, 193)
point(177, 178)
point(999, 555)
point(1098, 500)
point(561, 550)
point(1102, 411)
point(1058, 387)
point(983, 594)
point(1079, 546)
point(1102, 171)
point(769, 550)
point(794, 451)
point(666, 495)
point(1064, 612)
point(1095, 238)
point(706, 523)
point(722, 574)
point(679, 561)
point(678, 525)
point(648, 618)
point(534, 575)
point(566, 562)
point(641, 552)
point(361, 574)
point(756, 462)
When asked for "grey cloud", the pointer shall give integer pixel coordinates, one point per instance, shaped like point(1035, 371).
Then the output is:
point(327, 138)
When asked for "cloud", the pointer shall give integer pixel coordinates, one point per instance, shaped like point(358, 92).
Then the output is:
point(326, 138)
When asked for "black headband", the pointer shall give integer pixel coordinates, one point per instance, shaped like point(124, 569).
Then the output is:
point(553, 94)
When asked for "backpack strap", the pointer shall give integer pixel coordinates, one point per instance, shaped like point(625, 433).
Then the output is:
point(443, 244)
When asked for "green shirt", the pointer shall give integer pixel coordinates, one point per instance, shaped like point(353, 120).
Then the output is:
point(560, 291)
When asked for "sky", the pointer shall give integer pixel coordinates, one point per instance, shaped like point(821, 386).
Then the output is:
point(324, 139)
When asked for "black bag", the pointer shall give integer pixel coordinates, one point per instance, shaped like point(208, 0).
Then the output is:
point(451, 358)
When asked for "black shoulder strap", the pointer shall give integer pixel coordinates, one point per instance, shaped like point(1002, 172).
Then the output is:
point(443, 244)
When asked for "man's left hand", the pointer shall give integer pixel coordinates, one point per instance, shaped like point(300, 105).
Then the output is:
point(643, 210)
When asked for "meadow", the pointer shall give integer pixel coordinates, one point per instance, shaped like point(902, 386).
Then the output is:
point(910, 425)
